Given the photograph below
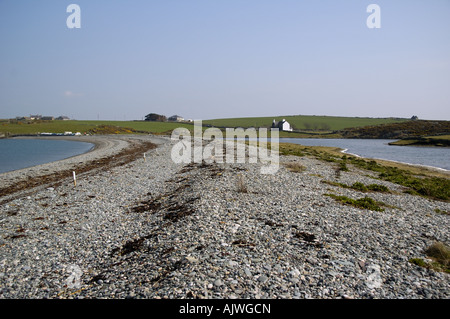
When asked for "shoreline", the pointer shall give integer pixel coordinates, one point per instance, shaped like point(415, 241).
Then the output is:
point(102, 155)
point(98, 143)
point(95, 146)
point(101, 146)
point(407, 164)
point(109, 145)
point(156, 229)
point(402, 164)
point(420, 145)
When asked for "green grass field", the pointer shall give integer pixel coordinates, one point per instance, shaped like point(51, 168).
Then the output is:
point(304, 122)
point(34, 127)
point(309, 125)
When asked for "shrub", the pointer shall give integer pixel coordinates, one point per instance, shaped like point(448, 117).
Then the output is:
point(155, 117)
point(359, 187)
point(368, 203)
point(295, 167)
point(439, 253)
point(343, 166)
point(432, 187)
point(378, 188)
point(418, 261)
point(440, 211)
point(365, 202)
point(337, 172)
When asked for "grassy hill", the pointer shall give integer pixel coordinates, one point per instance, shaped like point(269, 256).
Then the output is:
point(409, 129)
point(304, 122)
point(306, 126)
point(92, 127)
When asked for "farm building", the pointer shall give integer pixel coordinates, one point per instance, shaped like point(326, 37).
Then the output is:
point(176, 118)
point(282, 125)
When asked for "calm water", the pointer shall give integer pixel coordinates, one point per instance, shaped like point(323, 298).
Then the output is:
point(17, 153)
point(429, 156)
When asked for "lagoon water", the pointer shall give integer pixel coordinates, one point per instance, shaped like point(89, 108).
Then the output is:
point(379, 149)
point(21, 153)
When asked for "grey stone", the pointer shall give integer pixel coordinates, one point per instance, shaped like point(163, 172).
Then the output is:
point(263, 278)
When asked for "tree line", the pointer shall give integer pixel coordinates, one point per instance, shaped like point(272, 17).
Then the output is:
point(155, 117)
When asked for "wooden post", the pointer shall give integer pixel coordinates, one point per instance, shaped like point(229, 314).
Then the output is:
point(74, 179)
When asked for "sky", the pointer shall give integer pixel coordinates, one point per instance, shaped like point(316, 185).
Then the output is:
point(207, 59)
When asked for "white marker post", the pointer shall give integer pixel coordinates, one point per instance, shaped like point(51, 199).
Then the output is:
point(144, 158)
point(74, 179)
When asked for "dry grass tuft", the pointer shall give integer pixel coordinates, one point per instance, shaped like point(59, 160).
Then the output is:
point(295, 167)
point(440, 252)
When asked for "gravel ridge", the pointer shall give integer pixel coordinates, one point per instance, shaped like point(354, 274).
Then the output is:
point(156, 229)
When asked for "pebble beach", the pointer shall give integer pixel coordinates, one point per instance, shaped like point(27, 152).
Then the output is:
point(151, 228)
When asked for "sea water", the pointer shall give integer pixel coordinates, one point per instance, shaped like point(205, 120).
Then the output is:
point(380, 149)
point(21, 153)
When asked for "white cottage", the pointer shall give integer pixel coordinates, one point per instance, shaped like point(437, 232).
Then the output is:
point(282, 125)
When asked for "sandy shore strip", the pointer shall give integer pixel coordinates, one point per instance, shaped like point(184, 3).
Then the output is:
point(151, 228)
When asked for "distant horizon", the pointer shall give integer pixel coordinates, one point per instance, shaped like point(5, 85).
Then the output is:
point(236, 117)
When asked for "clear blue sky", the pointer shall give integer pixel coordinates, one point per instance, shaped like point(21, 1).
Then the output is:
point(205, 59)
